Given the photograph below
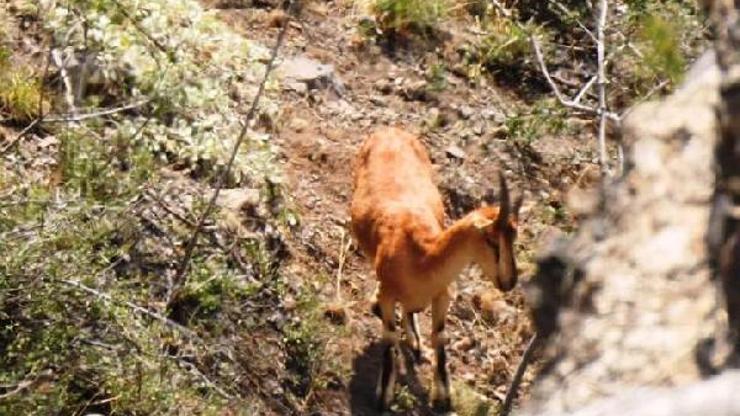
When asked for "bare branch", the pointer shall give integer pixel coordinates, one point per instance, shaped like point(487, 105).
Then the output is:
point(601, 84)
point(71, 118)
point(184, 263)
point(559, 95)
point(61, 61)
point(520, 369)
point(19, 136)
point(136, 308)
point(645, 97)
point(568, 13)
point(584, 90)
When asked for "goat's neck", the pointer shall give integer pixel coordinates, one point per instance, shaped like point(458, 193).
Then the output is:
point(452, 250)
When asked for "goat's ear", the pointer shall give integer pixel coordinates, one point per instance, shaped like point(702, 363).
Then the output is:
point(481, 223)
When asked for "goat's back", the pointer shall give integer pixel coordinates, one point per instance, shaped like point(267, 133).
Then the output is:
point(393, 189)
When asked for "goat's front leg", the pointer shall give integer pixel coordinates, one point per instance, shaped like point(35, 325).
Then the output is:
point(441, 393)
point(411, 326)
point(387, 379)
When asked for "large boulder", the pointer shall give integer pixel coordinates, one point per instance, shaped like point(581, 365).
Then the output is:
point(628, 302)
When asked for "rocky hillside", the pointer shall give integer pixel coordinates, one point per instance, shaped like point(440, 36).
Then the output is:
point(122, 291)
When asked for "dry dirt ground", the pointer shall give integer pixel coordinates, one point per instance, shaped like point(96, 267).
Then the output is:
point(461, 124)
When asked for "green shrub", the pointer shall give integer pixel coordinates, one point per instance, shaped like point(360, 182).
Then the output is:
point(20, 91)
point(660, 41)
point(402, 17)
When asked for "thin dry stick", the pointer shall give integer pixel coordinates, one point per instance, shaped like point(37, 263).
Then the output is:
point(343, 249)
point(514, 386)
point(136, 308)
point(70, 118)
point(184, 263)
point(601, 84)
point(61, 62)
point(569, 13)
point(20, 135)
point(18, 389)
point(559, 95)
point(585, 89)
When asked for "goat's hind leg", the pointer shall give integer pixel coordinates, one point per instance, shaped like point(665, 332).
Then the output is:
point(387, 379)
point(441, 393)
point(411, 326)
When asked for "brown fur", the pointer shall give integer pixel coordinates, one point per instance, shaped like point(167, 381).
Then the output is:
point(398, 221)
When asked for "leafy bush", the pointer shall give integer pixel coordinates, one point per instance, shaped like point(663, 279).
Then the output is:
point(20, 90)
point(196, 73)
point(545, 117)
point(403, 17)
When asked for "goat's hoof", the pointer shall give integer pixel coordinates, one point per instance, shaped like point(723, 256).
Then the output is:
point(416, 352)
point(442, 405)
point(375, 309)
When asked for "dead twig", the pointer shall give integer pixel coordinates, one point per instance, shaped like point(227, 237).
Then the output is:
point(60, 60)
point(230, 251)
point(185, 261)
point(585, 89)
point(520, 369)
point(73, 117)
point(20, 135)
point(601, 85)
point(558, 94)
point(136, 308)
point(18, 388)
point(343, 249)
point(569, 13)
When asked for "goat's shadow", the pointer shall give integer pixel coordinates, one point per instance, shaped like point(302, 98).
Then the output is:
point(365, 372)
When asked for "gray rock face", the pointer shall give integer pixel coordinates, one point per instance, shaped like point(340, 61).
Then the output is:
point(300, 73)
point(628, 299)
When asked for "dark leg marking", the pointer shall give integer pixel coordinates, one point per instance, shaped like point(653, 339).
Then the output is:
point(375, 309)
point(440, 327)
point(444, 404)
point(442, 365)
point(385, 376)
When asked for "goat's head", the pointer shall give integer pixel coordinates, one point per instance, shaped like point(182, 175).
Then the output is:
point(497, 226)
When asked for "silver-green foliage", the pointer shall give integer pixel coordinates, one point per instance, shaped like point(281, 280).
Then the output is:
point(197, 73)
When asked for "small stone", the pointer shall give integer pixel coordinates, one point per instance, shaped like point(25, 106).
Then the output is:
point(377, 100)
point(298, 87)
point(465, 112)
point(298, 124)
point(238, 198)
point(478, 129)
point(314, 74)
point(455, 152)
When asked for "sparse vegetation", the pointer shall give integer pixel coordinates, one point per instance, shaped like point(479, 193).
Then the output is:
point(20, 90)
point(544, 117)
point(95, 213)
point(469, 402)
point(402, 17)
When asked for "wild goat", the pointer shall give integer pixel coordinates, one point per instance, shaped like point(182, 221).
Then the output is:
point(398, 221)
